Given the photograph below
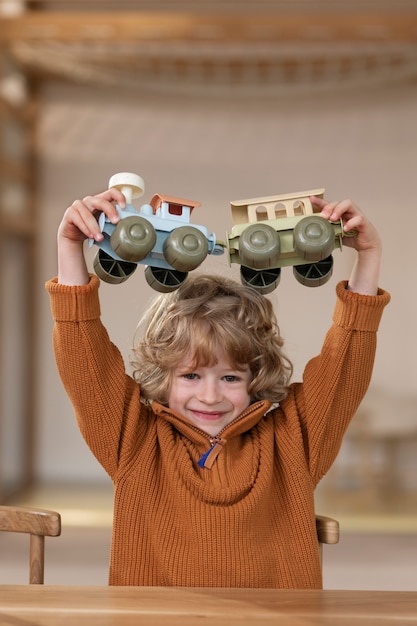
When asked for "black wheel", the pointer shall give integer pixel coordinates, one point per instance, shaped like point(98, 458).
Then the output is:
point(259, 246)
point(111, 271)
point(264, 281)
point(133, 238)
point(314, 274)
point(164, 280)
point(185, 248)
point(313, 238)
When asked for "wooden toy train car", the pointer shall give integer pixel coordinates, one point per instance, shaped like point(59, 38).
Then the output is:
point(158, 235)
point(284, 230)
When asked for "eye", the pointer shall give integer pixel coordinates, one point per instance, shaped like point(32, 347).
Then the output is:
point(190, 376)
point(231, 378)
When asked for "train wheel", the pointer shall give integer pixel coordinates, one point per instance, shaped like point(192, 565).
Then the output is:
point(313, 238)
point(314, 274)
point(133, 238)
point(264, 281)
point(185, 248)
point(259, 246)
point(164, 280)
point(110, 270)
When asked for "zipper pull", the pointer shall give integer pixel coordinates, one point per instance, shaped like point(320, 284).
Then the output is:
point(208, 458)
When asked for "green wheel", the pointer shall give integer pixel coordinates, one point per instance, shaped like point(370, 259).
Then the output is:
point(133, 238)
point(185, 248)
point(314, 274)
point(110, 270)
point(313, 238)
point(259, 246)
point(164, 280)
point(264, 281)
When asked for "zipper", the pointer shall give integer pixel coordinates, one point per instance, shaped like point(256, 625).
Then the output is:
point(208, 458)
point(218, 442)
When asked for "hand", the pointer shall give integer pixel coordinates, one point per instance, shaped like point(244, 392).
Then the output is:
point(80, 219)
point(80, 223)
point(367, 237)
point(367, 242)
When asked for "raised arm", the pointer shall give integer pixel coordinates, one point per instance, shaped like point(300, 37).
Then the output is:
point(78, 224)
point(365, 273)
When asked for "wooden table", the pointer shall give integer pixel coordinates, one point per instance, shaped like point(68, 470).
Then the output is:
point(45, 605)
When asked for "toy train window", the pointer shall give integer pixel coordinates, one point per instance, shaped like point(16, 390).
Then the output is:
point(261, 213)
point(299, 207)
point(280, 210)
point(175, 209)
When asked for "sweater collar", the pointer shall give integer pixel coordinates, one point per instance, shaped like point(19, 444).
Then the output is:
point(244, 422)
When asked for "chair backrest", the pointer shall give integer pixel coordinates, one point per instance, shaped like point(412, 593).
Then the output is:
point(328, 531)
point(38, 523)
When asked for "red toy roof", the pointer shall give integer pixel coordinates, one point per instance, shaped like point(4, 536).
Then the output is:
point(158, 198)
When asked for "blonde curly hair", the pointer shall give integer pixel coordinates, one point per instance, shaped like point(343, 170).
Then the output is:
point(204, 315)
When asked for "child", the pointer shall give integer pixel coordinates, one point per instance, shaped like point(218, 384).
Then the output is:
point(214, 455)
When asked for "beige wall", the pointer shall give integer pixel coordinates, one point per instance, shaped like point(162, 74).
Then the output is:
point(362, 145)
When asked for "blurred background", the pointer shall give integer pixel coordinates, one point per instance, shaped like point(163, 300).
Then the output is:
point(213, 101)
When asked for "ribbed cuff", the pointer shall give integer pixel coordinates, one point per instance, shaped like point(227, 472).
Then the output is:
point(74, 303)
point(357, 311)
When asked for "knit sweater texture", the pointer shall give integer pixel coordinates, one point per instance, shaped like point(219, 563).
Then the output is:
point(249, 520)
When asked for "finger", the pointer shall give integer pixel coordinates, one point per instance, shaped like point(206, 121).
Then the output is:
point(318, 201)
point(100, 204)
point(355, 223)
point(334, 211)
point(346, 207)
point(113, 195)
point(327, 208)
point(79, 216)
point(83, 214)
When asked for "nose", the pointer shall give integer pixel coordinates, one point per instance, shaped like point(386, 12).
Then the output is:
point(209, 392)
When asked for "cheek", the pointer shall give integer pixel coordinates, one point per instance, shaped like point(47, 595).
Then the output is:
point(247, 400)
point(242, 398)
point(170, 395)
point(175, 395)
point(169, 389)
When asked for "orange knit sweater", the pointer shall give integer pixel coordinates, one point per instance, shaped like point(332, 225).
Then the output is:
point(249, 520)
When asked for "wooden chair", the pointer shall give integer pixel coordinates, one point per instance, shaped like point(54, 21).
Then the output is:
point(39, 524)
point(328, 531)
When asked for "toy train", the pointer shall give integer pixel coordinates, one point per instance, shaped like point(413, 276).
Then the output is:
point(285, 230)
point(268, 233)
point(158, 235)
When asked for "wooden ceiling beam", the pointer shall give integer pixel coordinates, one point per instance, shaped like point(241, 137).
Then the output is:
point(176, 27)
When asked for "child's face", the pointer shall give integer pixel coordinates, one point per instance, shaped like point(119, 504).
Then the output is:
point(210, 397)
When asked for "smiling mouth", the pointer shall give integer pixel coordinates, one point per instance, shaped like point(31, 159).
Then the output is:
point(210, 417)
